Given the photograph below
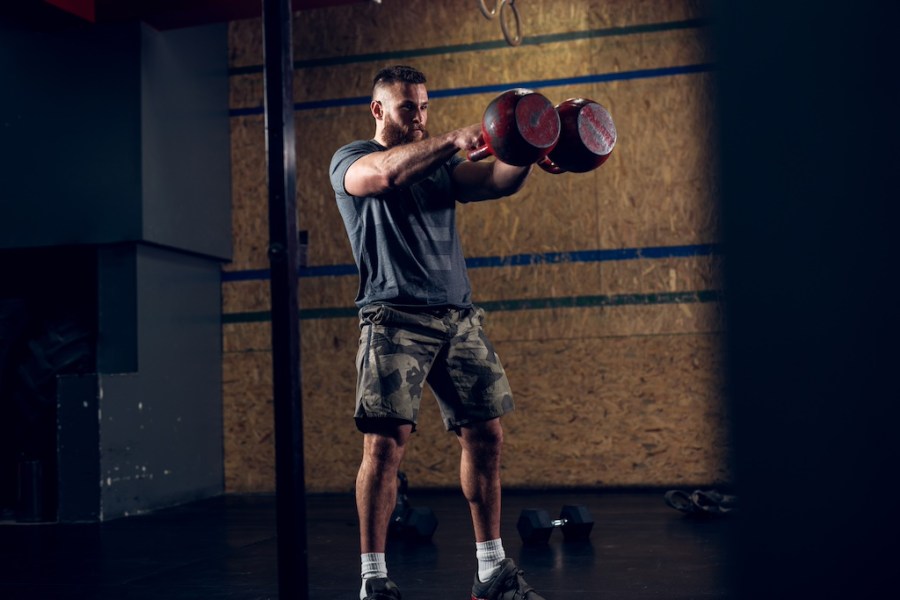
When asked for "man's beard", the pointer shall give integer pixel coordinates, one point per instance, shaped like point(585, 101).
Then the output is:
point(396, 135)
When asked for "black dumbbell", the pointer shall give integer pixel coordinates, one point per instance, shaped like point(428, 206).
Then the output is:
point(409, 522)
point(535, 525)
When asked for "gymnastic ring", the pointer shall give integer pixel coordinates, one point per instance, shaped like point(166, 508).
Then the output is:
point(488, 14)
point(512, 41)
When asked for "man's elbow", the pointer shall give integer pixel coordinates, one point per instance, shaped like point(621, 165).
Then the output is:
point(393, 177)
point(372, 185)
point(515, 184)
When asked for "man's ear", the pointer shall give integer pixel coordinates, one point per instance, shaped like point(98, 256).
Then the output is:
point(377, 110)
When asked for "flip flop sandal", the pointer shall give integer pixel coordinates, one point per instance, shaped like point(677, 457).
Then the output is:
point(681, 501)
point(714, 502)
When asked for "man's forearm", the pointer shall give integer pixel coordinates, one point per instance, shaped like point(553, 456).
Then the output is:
point(408, 163)
point(405, 164)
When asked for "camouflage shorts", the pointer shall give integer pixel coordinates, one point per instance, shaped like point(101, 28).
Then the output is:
point(401, 350)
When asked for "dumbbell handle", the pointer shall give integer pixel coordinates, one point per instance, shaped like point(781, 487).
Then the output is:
point(558, 522)
point(479, 153)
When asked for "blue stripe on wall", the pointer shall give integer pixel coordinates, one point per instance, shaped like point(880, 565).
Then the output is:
point(500, 87)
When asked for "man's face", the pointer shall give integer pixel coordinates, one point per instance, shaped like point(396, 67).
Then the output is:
point(405, 110)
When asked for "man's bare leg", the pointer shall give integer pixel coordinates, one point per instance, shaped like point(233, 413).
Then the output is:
point(479, 474)
point(376, 484)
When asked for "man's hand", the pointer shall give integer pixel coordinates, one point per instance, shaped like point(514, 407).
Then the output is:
point(468, 138)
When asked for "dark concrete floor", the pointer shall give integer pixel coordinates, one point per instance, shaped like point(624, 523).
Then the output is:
point(225, 548)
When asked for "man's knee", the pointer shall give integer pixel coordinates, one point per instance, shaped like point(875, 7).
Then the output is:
point(485, 436)
point(385, 445)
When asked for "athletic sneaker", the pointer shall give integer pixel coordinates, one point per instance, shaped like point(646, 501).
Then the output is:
point(381, 588)
point(507, 584)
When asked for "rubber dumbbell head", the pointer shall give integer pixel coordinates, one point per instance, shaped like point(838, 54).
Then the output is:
point(577, 523)
point(421, 523)
point(535, 525)
point(409, 522)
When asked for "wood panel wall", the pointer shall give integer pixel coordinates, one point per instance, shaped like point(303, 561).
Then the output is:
point(603, 289)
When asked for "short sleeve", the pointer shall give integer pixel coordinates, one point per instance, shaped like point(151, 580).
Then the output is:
point(342, 160)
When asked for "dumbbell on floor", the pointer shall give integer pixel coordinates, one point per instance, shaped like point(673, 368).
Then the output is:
point(410, 522)
point(535, 525)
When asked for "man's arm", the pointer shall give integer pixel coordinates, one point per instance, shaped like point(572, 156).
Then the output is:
point(488, 180)
point(406, 164)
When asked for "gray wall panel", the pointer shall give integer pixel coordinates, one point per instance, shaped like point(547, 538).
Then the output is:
point(161, 428)
point(185, 132)
point(115, 133)
point(70, 152)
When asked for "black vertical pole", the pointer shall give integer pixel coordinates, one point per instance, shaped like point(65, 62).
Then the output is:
point(283, 247)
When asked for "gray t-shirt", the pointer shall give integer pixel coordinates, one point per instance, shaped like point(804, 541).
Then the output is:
point(404, 241)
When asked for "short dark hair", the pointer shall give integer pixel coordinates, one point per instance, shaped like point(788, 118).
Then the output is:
point(401, 73)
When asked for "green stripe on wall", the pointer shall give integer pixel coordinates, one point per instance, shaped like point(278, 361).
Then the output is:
point(510, 305)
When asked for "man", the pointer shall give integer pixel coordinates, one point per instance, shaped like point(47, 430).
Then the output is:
point(397, 194)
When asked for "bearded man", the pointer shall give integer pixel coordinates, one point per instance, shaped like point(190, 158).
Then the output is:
point(397, 194)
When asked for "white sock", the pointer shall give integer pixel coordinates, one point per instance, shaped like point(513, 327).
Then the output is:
point(489, 555)
point(373, 565)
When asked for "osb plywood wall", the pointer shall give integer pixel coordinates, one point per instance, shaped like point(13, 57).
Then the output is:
point(603, 289)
